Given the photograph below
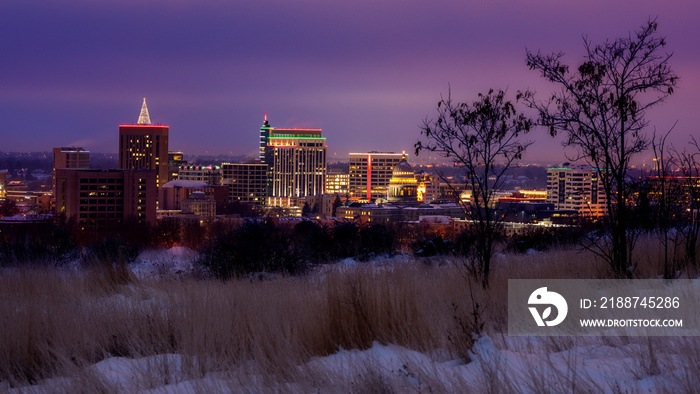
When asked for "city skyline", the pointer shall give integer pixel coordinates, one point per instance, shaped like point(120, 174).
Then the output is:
point(366, 73)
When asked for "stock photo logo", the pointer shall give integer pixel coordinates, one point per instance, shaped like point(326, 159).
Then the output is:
point(554, 300)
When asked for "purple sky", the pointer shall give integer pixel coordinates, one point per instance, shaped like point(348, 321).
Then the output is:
point(366, 72)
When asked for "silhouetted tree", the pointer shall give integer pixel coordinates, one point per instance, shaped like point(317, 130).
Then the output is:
point(346, 236)
point(336, 204)
point(601, 108)
point(666, 198)
point(8, 208)
point(168, 232)
point(689, 230)
point(484, 139)
point(312, 241)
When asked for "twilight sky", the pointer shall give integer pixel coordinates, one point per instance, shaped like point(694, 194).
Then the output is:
point(366, 72)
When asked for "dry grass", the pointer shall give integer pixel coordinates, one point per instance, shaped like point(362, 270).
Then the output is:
point(260, 334)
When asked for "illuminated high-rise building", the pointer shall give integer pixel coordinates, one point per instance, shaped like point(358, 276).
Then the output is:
point(296, 160)
point(246, 182)
point(144, 146)
point(3, 183)
point(337, 181)
point(371, 172)
point(175, 161)
point(577, 187)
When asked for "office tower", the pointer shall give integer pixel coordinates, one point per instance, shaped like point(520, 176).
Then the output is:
point(578, 188)
point(246, 182)
point(69, 157)
point(370, 173)
point(144, 146)
point(3, 183)
point(296, 160)
point(264, 135)
point(175, 161)
point(101, 197)
point(337, 181)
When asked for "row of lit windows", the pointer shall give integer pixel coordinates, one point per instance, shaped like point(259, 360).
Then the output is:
point(101, 194)
point(101, 187)
point(101, 208)
point(100, 216)
point(101, 180)
point(88, 201)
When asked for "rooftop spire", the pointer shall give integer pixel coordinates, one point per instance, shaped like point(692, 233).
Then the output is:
point(143, 116)
point(265, 123)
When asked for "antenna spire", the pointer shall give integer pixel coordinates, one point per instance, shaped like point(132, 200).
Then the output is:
point(143, 116)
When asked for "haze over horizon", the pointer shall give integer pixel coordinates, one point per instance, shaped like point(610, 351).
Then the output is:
point(366, 73)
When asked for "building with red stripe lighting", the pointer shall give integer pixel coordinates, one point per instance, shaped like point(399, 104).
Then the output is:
point(371, 172)
point(144, 146)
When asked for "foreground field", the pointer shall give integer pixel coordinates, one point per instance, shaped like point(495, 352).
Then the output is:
point(398, 325)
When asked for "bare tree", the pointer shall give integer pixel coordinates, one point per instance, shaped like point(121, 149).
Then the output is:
point(666, 197)
point(483, 139)
point(601, 107)
point(689, 163)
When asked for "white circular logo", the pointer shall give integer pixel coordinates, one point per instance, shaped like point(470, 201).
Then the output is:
point(543, 297)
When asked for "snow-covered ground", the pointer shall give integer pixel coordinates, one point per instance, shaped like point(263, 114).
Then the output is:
point(178, 261)
point(497, 363)
point(529, 365)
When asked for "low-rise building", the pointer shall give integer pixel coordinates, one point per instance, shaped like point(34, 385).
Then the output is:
point(208, 174)
point(173, 193)
point(389, 213)
point(199, 204)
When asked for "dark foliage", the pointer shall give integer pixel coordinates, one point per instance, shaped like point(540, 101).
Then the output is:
point(8, 208)
point(259, 246)
point(428, 247)
point(243, 209)
point(313, 241)
point(167, 232)
point(254, 247)
point(346, 237)
point(109, 251)
point(50, 243)
point(543, 239)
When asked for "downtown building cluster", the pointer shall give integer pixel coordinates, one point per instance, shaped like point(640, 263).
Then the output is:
point(290, 177)
point(152, 182)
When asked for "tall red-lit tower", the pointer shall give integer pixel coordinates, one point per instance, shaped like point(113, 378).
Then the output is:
point(144, 146)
